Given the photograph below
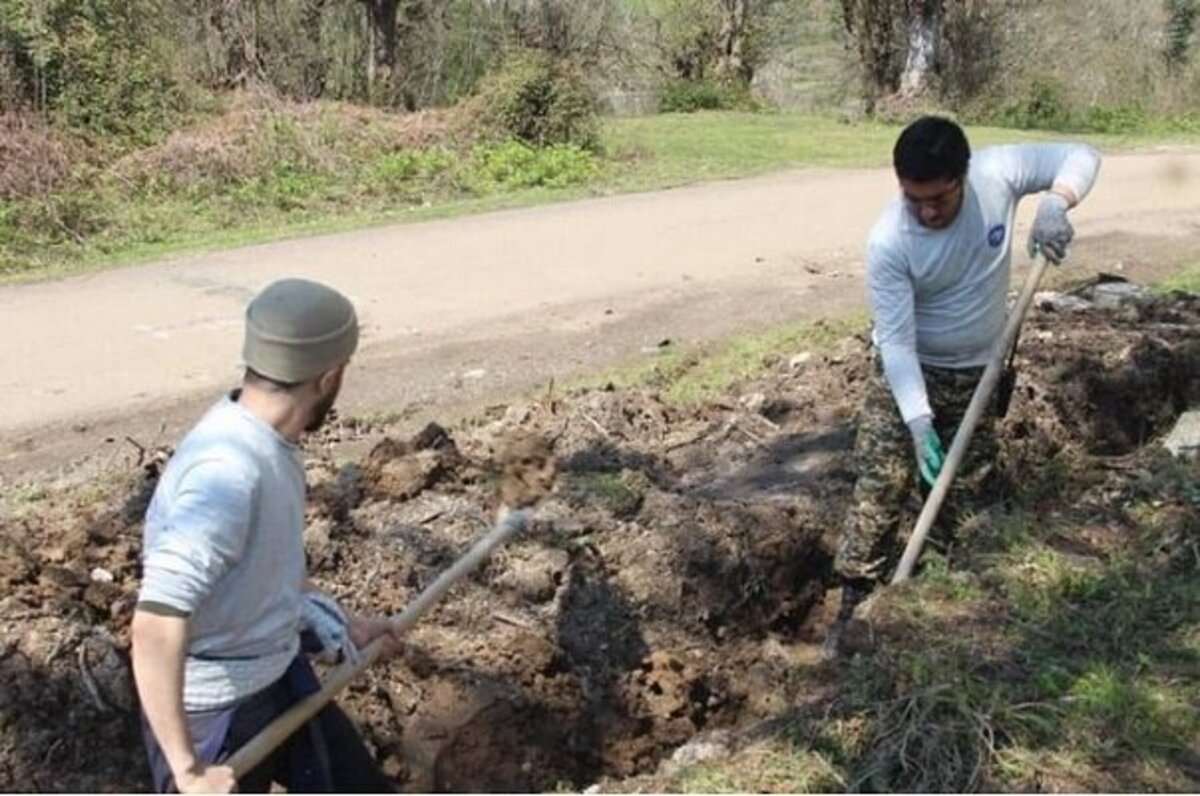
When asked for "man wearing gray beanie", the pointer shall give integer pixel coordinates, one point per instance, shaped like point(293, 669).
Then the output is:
point(225, 614)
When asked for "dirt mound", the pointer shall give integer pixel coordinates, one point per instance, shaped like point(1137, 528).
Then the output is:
point(1105, 381)
point(672, 586)
point(69, 571)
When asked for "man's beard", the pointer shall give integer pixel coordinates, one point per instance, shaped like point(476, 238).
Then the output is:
point(321, 411)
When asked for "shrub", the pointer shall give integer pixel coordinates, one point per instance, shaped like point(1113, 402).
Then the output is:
point(1120, 119)
point(688, 96)
point(1181, 25)
point(409, 173)
point(515, 164)
point(93, 64)
point(1044, 107)
point(539, 100)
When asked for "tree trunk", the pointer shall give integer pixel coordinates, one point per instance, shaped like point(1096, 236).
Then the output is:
point(924, 18)
point(314, 59)
point(381, 60)
point(870, 25)
point(236, 25)
point(732, 60)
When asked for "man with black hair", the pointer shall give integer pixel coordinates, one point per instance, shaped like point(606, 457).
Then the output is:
point(938, 268)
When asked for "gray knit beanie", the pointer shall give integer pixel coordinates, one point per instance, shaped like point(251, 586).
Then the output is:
point(297, 329)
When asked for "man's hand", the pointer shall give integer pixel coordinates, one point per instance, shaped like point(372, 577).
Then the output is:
point(158, 653)
point(364, 630)
point(1051, 232)
point(928, 447)
point(206, 779)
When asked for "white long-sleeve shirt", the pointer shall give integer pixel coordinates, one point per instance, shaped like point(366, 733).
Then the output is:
point(938, 295)
point(224, 545)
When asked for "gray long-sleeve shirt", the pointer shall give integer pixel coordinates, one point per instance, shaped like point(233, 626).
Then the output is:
point(224, 545)
point(938, 296)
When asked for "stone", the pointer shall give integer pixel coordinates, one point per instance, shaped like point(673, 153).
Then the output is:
point(800, 360)
point(1184, 439)
point(714, 746)
point(1114, 295)
point(754, 401)
point(1060, 302)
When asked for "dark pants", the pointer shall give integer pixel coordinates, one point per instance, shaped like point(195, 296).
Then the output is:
point(886, 462)
point(326, 755)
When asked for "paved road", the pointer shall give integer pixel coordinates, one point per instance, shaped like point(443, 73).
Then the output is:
point(472, 306)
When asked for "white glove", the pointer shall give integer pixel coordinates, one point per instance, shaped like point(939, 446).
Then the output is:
point(1051, 232)
point(328, 622)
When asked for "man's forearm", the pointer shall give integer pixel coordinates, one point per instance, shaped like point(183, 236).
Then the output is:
point(902, 370)
point(159, 652)
point(1076, 174)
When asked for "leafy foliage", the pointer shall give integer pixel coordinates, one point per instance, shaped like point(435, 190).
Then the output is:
point(540, 100)
point(1181, 27)
point(515, 164)
point(95, 65)
point(1044, 107)
point(687, 96)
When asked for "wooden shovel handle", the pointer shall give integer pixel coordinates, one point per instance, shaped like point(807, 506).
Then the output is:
point(258, 748)
point(975, 410)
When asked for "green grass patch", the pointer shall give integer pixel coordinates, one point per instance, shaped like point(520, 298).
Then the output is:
point(673, 149)
point(1035, 660)
point(690, 376)
point(288, 191)
point(1188, 279)
point(1057, 666)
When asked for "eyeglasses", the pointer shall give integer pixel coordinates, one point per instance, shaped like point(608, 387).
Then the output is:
point(936, 201)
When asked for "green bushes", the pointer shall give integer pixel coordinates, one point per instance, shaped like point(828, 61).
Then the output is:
point(536, 99)
point(1181, 28)
point(688, 96)
point(1045, 105)
point(256, 165)
point(515, 164)
point(91, 65)
point(1121, 119)
point(406, 173)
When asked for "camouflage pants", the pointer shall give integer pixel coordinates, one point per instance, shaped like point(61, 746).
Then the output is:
point(887, 470)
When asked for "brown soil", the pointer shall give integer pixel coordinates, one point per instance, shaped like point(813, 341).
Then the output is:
point(673, 584)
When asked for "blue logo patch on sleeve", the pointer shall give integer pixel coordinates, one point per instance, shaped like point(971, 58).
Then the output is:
point(996, 235)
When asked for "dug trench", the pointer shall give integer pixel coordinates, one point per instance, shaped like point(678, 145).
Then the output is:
point(673, 587)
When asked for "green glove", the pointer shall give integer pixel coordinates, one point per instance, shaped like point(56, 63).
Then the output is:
point(928, 447)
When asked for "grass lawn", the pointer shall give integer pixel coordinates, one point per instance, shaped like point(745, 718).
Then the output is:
point(673, 149)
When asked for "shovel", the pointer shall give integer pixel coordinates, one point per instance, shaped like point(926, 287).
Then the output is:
point(258, 748)
point(528, 474)
point(975, 410)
